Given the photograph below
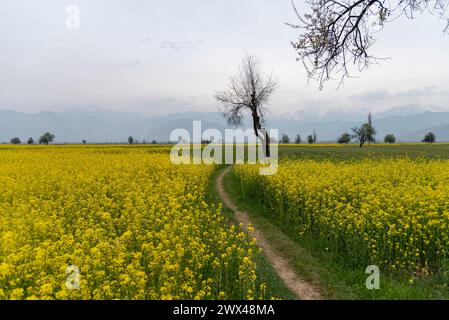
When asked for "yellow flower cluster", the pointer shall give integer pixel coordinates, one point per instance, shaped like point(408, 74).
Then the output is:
point(134, 225)
point(390, 212)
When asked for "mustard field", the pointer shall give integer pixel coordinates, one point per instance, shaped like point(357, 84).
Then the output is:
point(388, 212)
point(116, 223)
point(123, 222)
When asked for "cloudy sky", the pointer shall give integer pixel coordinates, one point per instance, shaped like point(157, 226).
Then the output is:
point(157, 57)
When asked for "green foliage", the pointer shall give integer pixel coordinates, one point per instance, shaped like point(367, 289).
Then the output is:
point(311, 139)
point(390, 138)
point(285, 138)
point(345, 138)
point(46, 138)
point(365, 133)
point(15, 140)
point(429, 138)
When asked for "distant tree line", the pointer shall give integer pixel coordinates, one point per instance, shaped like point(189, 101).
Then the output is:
point(311, 139)
point(366, 133)
point(46, 138)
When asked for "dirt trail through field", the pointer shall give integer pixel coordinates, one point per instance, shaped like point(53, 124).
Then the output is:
point(302, 289)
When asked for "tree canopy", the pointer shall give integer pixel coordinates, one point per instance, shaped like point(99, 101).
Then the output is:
point(429, 138)
point(390, 138)
point(16, 140)
point(285, 138)
point(345, 138)
point(365, 133)
point(46, 138)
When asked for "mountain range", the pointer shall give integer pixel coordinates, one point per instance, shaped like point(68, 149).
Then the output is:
point(96, 125)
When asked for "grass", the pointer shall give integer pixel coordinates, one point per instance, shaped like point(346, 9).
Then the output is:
point(334, 279)
point(347, 152)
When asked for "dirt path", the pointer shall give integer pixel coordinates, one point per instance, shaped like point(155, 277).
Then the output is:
point(302, 289)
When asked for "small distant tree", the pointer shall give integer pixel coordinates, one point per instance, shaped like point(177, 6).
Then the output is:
point(154, 142)
point(310, 139)
point(46, 138)
point(30, 141)
point(390, 138)
point(84, 141)
point(365, 133)
point(314, 136)
point(429, 138)
point(285, 138)
point(360, 135)
point(15, 140)
point(298, 139)
point(130, 140)
point(345, 138)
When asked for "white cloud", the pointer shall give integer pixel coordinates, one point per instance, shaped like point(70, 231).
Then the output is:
point(128, 52)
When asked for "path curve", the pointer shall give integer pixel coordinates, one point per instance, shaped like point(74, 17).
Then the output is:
point(302, 289)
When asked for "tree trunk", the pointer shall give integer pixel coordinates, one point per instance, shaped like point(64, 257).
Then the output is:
point(257, 126)
point(256, 123)
point(267, 145)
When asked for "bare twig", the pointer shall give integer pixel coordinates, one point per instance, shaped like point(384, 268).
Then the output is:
point(336, 35)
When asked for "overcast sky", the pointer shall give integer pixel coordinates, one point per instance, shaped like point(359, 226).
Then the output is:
point(158, 57)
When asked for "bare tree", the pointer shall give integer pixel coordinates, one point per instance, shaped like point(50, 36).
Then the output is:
point(249, 91)
point(336, 34)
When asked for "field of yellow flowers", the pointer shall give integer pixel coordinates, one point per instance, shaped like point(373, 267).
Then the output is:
point(389, 212)
point(134, 225)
